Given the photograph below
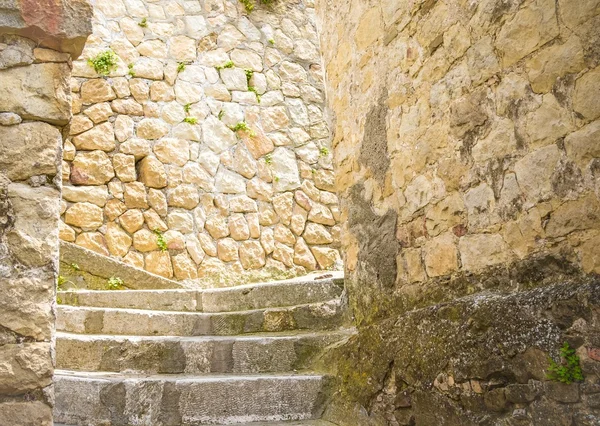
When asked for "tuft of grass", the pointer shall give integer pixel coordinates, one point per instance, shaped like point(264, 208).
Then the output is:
point(276, 178)
point(272, 42)
point(75, 267)
point(161, 242)
point(114, 283)
point(190, 120)
point(187, 108)
point(249, 73)
point(180, 67)
point(269, 158)
point(242, 125)
point(143, 23)
point(104, 63)
point(569, 368)
point(228, 64)
point(324, 152)
point(61, 281)
point(131, 72)
point(248, 5)
point(221, 113)
point(253, 90)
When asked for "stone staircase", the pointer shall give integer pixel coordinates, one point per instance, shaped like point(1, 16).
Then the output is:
point(188, 357)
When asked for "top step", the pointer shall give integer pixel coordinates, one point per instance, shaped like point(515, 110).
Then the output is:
point(310, 289)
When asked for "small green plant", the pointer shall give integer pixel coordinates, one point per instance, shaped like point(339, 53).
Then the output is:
point(242, 125)
point(269, 159)
point(190, 120)
point(253, 90)
point(313, 171)
point(324, 152)
point(276, 178)
point(104, 63)
point(187, 108)
point(131, 72)
point(228, 64)
point(569, 369)
point(271, 41)
point(248, 5)
point(221, 113)
point(114, 283)
point(249, 74)
point(75, 267)
point(143, 23)
point(60, 283)
point(180, 67)
point(161, 242)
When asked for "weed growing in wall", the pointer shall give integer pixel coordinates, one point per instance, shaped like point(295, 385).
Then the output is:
point(228, 64)
point(114, 283)
point(104, 63)
point(180, 67)
point(268, 159)
point(161, 242)
point(131, 72)
point(324, 152)
point(143, 23)
point(253, 90)
point(250, 4)
point(568, 370)
point(190, 120)
point(187, 108)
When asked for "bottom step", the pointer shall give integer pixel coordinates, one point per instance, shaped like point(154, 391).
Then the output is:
point(298, 423)
point(91, 399)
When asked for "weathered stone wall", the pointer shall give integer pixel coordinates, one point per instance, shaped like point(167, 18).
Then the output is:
point(466, 144)
point(151, 146)
point(34, 105)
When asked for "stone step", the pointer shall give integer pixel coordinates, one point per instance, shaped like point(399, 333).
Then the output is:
point(291, 423)
point(83, 268)
point(266, 353)
point(247, 297)
point(104, 398)
point(88, 320)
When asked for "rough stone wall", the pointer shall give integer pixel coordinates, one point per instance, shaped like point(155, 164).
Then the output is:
point(151, 146)
point(466, 145)
point(34, 105)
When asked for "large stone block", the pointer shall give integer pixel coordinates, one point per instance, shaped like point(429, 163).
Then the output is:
point(29, 149)
point(37, 92)
point(62, 25)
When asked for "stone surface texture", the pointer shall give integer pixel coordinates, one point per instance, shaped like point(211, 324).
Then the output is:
point(34, 102)
point(466, 159)
point(210, 116)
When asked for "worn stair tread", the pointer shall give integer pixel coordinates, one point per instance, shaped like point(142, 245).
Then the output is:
point(109, 398)
point(292, 423)
point(258, 353)
point(92, 320)
point(311, 289)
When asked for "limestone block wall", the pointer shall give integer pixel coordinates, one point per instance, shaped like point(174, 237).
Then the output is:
point(466, 144)
point(35, 104)
point(209, 136)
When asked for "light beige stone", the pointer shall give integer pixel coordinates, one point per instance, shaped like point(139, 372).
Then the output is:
point(284, 254)
point(93, 241)
point(583, 145)
point(321, 214)
point(482, 250)
point(99, 138)
point(91, 168)
point(283, 205)
point(134, 259)
point(172, 151)
point(135, 195)
point(440, 255)
point(303, 256)
point(217, 226)
point(158, 201)
point(99, 113)
point(97, 195)
point(183, 267)
point(132, 220)
point(159, 263)
point(326, 257)
point(145, 241)
point(283, 235)
point(80, 124)
point(238, 227)
point(185, 196)
point(152, 173)
point(317, 234)
point(585, 96)
point(227, 249)
point(114, 208)
point(139, 148)
point(151, 128)
point(252, 255)
point(124, 166)
point(183, 49)
point(85, 215)
point(117, 240)
point(96, 91)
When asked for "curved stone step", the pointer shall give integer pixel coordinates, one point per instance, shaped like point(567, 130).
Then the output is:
point(241, 298)
point(105, 398)
point(192, 355)
point(315, 316)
